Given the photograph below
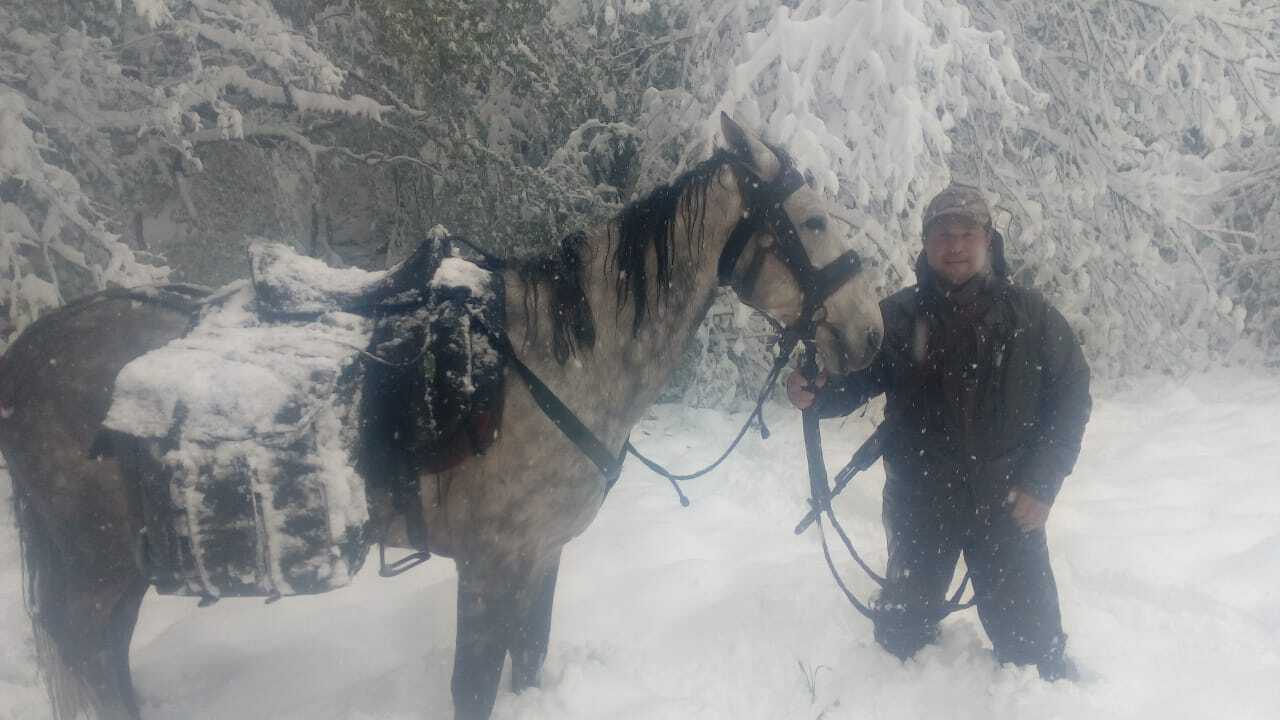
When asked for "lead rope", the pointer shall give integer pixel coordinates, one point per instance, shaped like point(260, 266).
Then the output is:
point(786, 346)
point(822, 495)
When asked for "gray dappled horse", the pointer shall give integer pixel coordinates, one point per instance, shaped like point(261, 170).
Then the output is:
point(648, 278)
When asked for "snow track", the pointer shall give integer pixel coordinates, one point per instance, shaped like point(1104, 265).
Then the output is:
point(1166, 544)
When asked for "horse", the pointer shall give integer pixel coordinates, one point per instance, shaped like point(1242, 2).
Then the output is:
point(603, 324)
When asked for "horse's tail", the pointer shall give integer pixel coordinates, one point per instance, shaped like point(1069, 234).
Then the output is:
point(80, 590)
point(43, 566)
point(70, 697)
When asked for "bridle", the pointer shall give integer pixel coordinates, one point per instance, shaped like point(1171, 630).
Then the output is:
point(764, 212)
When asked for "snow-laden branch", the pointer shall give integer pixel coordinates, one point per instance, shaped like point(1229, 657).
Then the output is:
point(865, 96)
point(61, 202)
point(71, 102)
point(313, 149)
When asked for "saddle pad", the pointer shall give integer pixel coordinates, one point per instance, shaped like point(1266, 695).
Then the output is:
point(243, 435)
point(237, 377)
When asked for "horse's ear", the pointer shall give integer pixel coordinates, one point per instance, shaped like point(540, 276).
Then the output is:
point(754, 154)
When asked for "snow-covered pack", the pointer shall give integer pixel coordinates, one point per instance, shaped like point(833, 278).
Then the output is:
point(247, 432)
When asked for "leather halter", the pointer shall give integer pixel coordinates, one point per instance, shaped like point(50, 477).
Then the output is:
point(764, 212)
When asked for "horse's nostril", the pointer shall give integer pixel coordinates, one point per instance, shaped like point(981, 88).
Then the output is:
point(873, 339)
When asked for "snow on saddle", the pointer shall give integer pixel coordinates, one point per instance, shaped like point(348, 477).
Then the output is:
point(256, 435)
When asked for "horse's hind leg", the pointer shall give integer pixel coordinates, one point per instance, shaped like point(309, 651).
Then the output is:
point(533, 630)
point(74, 512)
point(96, 642)
point(123, 621)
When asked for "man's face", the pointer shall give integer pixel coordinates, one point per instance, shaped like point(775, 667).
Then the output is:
point(957, 248)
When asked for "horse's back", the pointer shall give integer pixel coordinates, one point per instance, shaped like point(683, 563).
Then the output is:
point(55, 388)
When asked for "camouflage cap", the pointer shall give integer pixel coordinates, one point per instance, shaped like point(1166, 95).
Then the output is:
point(963, 200)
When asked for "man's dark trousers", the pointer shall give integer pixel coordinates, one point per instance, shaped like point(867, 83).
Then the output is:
point(1017, 599)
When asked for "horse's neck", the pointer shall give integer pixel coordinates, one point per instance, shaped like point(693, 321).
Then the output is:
point(611, 385)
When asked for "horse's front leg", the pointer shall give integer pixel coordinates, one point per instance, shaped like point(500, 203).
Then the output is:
point(500, 609)
point(533, 628)
point(484, 619)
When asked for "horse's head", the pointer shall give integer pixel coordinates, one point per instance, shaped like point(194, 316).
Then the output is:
point(786, 258)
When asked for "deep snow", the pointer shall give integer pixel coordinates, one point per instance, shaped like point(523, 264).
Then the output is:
point(1166, 544)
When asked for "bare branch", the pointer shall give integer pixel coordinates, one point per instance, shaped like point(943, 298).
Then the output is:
point(313, 149)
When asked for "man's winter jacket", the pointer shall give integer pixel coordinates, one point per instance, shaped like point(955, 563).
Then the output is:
point(986, 385)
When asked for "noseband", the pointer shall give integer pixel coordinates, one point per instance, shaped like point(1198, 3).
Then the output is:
point(765, 213)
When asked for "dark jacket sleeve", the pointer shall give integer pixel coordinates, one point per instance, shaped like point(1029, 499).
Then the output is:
point(845, 393)
point(1064, 409)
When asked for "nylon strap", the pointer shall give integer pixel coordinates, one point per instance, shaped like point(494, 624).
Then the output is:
point(765, 211)
point(610, 465)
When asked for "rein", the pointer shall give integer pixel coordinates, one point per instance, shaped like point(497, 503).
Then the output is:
point(765, 212)
point(821, 495)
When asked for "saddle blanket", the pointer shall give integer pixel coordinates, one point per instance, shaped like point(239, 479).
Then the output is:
point(246, 433)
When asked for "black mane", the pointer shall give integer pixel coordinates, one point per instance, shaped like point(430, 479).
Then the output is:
point(651, 220)
point(648, 221)
point(571, 321)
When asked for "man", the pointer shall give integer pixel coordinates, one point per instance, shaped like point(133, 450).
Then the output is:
point(987, 399)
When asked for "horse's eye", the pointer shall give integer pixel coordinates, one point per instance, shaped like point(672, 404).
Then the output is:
point(816, 224)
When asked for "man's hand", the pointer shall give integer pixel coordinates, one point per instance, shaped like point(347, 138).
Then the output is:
point(800, 392)
point(1028, 511)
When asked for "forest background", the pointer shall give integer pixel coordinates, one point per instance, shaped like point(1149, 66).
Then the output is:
point(1131, 146)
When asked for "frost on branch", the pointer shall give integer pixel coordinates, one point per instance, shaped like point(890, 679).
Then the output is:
point(98, 102)
point(1127, 143)
point(1116, 184)
point(53, 241)
point(865, 96)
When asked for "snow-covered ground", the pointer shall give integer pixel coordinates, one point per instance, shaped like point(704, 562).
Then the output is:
point(1166, 543)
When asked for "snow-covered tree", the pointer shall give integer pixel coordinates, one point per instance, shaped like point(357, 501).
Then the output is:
point(865, 96)
point(100, 102)
point(1113, 183)
point(1127, 144)
point(1131, 144)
